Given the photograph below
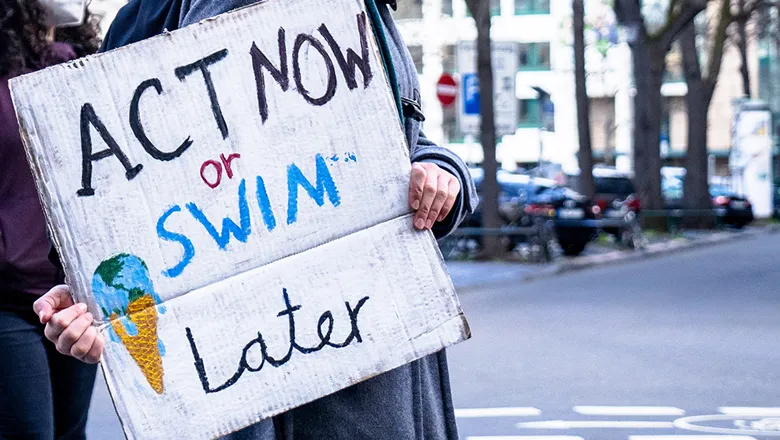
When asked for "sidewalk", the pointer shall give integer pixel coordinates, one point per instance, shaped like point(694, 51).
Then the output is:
point(467, 275)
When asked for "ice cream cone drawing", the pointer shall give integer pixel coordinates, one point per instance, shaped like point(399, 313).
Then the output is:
point(123, 289)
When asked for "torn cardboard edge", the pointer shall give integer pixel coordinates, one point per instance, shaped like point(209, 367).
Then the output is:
point(55, 224)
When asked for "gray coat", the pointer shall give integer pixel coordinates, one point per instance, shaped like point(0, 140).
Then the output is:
point(412, 402)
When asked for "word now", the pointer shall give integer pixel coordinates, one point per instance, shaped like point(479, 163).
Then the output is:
point(324, 185)
point(326, 320)
point(349, 62)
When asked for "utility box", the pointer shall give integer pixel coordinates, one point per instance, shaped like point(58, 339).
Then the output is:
point(751, 154)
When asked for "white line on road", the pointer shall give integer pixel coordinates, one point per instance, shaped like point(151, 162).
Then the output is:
point(526, 437)
point(575, 424)
point(690, 437)
point(520, 411)
point(749, 411)
point(629, 410)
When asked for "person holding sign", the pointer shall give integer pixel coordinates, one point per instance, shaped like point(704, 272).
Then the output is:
point(43, 393)
point(410, 402)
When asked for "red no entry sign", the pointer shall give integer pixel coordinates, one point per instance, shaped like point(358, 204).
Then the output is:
point(446, 90)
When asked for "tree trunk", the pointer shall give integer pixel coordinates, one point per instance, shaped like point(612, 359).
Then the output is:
point(480, 10)
point(696, 195)
point(649, 67)
point(743, 54)
point(585, 157)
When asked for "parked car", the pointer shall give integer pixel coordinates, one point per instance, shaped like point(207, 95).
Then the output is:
point(776, 203)
point(615, 196)
point(730, 207)
point(524, 200)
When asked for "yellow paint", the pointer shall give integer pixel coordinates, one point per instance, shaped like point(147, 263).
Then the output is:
point(143, 347)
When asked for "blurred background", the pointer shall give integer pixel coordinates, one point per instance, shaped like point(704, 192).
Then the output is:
point(620, 273)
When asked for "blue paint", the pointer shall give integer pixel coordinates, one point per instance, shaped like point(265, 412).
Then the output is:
point(229, 227)
point(325, 184)
point(335, 158)
point(350, 156)
point(160, 347)
point(186, 243)
point(265, 205)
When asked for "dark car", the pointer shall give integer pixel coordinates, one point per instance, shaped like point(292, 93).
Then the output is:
point(776, 203)
point(616, 199)
point(524, 200)
point(573, 215)
point(729, 207)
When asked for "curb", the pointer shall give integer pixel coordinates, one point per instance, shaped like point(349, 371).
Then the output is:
point(651, 251)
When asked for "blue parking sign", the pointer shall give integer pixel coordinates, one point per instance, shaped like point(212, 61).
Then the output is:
point(470, 94)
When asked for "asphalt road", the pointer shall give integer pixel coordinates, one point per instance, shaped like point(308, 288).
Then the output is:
point(692, 334)
point(616, 352)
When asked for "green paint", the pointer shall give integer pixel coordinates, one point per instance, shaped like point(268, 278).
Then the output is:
point(109, 269)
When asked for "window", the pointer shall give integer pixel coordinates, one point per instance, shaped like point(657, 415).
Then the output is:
point(417, 55)
point(528, 113)
point(408, 9)
point(446, 7)
point(449, 59)
point(523, 7)
point(495, 8)
point(534, 56)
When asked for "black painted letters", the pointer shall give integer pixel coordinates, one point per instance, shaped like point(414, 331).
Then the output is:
point(203, 65)
point(138, 129)
point(259, 343)
point(90, 119)
point(280, 75)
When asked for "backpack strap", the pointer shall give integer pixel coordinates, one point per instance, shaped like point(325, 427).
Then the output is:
point(384, 50)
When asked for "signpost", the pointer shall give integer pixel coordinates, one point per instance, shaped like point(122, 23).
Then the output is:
point(504, 58)
point(447, 90)
point(241, 256)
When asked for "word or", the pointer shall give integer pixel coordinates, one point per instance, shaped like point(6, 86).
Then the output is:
point(349, 62)
point(324, 186)
point(227, 161)
point(326, 320)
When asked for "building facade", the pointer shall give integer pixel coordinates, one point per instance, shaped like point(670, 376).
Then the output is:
point(543, 33)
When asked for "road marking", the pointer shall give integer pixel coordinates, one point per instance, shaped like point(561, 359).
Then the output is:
point(761, 427)
point(526, 437)
point(575, 424)
point(520, 411)
point(749, 411)
point(629, 410)
point(690, 437)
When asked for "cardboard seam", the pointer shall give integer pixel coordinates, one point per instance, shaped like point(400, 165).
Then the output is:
point(102, 324)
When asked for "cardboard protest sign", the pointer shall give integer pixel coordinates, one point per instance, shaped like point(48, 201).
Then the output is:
point(231, 202)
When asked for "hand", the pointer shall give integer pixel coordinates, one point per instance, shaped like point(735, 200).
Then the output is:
point(432, 193)
point(69, 325)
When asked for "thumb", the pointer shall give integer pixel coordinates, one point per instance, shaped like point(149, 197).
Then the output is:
point(54, 300)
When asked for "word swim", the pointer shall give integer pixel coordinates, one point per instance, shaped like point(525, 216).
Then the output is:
point(349, 62)
point(325, 321)
point(323, 186)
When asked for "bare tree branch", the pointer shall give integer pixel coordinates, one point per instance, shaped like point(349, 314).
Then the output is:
point(715, 56)
point(679, 19)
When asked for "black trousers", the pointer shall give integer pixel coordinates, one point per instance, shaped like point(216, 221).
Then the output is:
point(43, 395)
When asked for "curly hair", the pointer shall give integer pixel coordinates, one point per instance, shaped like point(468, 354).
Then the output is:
point(24, 36)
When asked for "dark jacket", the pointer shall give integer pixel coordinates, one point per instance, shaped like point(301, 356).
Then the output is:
point(412, 402)
point(25, 269)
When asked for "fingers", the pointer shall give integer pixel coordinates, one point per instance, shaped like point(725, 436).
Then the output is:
point(71, 335)
point(440, 197)
point(432, 193)
point(56, 299)
point(452, 197)
point(89, 347)
point(429, 194)
point(416, 184)
point(60, 321)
